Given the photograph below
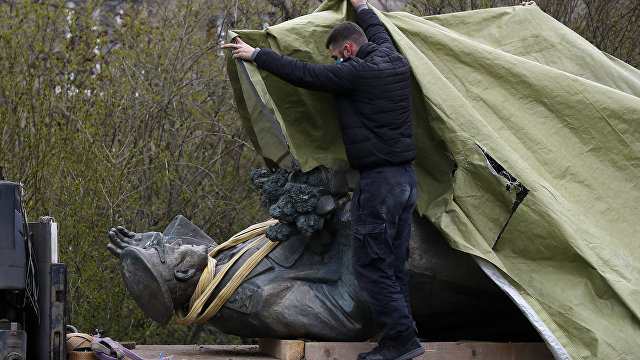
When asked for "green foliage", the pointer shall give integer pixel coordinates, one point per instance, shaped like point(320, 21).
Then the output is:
point(611, 25)
point(124, 119)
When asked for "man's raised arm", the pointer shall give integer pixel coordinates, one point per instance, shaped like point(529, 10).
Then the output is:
point(372, 26)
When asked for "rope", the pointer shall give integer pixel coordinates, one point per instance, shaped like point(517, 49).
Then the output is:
point(209, 280)
point(77, 342)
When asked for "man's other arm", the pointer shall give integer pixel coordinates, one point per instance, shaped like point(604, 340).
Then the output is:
point(330, 78)
point(335, 79)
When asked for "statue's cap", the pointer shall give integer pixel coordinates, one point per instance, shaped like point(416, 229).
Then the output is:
point(145, 285)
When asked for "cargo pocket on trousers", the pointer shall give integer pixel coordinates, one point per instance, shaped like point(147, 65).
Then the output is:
point(369, 242)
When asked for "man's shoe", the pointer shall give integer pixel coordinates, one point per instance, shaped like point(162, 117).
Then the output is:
point(363, 356)
point(395, 351)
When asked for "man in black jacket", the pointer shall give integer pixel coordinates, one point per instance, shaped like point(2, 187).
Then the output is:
point(371, 83)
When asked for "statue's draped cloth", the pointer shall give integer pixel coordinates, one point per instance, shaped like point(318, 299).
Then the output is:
point(528, 154)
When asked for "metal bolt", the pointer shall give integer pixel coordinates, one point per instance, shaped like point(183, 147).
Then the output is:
point(14, 356)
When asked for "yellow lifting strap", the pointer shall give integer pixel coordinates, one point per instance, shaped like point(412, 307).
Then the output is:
point(209, 279)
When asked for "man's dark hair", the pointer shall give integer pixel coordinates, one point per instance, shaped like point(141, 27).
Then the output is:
point(344, 33)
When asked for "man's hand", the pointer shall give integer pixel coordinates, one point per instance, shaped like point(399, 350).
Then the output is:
point(357, 2)
point(241, 49)
point(524, 3)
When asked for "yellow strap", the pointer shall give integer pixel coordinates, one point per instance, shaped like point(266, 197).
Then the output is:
point(209, 272)
point(208, 282)
point(244, 235)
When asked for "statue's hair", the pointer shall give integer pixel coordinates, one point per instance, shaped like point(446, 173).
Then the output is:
point(344, 33)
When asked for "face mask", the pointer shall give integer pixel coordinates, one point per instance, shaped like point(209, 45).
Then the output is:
point(338, 61)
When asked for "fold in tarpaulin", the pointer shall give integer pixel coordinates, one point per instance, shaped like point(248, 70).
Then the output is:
point(529, 155)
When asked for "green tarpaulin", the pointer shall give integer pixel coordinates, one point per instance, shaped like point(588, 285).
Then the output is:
point(528, 154)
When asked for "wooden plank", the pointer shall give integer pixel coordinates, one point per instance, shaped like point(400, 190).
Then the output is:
point(202, 352)
point(335, 350)
point(296, 350)
point(437, 351)
point(485, 351)
point(282, 349)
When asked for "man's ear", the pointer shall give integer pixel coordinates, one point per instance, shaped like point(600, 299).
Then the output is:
point(183, 275)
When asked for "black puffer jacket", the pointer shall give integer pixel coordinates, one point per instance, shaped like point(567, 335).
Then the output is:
point(372, 95)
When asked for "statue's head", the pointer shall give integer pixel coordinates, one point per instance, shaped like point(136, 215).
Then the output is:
point(161, 277)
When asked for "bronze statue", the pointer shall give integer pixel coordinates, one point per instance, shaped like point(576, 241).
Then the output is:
point(304, 288)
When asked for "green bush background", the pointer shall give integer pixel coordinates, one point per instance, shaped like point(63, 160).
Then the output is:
point(126, 118)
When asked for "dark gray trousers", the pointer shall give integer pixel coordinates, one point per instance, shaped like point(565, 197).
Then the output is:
point(381, 209)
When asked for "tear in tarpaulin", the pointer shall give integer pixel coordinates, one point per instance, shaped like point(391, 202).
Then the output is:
point(455, 165)
point(512, 182)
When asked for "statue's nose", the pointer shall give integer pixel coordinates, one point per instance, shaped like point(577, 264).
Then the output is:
point(184, 274)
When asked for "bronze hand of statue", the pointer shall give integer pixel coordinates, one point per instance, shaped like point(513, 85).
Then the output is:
point(121, 238)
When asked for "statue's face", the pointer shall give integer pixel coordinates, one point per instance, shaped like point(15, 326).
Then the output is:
point(162, 277)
